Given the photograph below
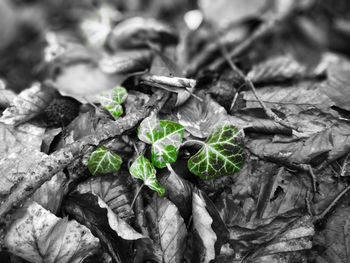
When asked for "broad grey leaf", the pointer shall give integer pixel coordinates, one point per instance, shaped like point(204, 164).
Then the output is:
point(277, 69)
point(224, 12)
point(39, 236)
point(303, 94)
point(16, 138)
point(327, 145)
point(29, 103)
point(202, 223)
point(123, 229)
point(201, 118)
point(6, 96)
point(168, 228)
point(337, 85)
point(113, 191)
point(296, 238)
point(97, 25)
point(138, 32)
point(334, 238)
point(179, 191)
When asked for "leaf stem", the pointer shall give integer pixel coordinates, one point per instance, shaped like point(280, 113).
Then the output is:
point(170, 168)
point(137, 194)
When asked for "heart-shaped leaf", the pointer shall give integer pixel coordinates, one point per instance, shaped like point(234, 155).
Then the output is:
point(111, 100)
point(103, 161)
point(143, 169)
point(220, 155)
point(166, 138)
point(115, 110)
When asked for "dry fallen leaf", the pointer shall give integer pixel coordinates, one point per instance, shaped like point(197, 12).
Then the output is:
point(39, 236)
point(168, 228)
point(332, 244)
point(28, 104)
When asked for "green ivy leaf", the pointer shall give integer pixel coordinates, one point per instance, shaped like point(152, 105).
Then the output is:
point(166, 138)
point(120, 95)
point(111, 100)
point(167, 141)
point(103, 161)
point(115, 110)
point(143, 169)
point(220, 155)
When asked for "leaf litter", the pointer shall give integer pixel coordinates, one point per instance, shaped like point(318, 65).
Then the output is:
point(237, 123)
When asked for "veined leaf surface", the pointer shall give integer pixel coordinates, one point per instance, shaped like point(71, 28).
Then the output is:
point(112, 100)
point(103, 161)
point(115, 110)
point(166, 138)
point(220, 155)
point(143, 169)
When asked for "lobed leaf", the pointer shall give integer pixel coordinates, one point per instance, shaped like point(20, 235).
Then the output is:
point(220, 155)
point(143, 169)
point(115, 110)
point(166, 138)
point(112, 100)
point(103, 161)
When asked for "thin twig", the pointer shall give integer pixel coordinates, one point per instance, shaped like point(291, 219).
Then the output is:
point(313, 179)
point(250, 85)
point(321, 216)
point(307, 202)
point(140, 215)
point(262, 31)
point(170, 81)
point(236, 96)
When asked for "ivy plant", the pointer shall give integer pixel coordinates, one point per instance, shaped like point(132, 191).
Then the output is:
point(220, 155)
point(112, 101)
point(104, 161)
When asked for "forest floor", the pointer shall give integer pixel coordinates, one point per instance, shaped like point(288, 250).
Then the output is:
point(175, 131)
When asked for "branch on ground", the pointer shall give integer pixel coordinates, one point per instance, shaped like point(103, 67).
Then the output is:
point(51, 164)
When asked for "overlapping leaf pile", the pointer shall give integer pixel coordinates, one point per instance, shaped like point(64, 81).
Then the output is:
point(238, 122)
